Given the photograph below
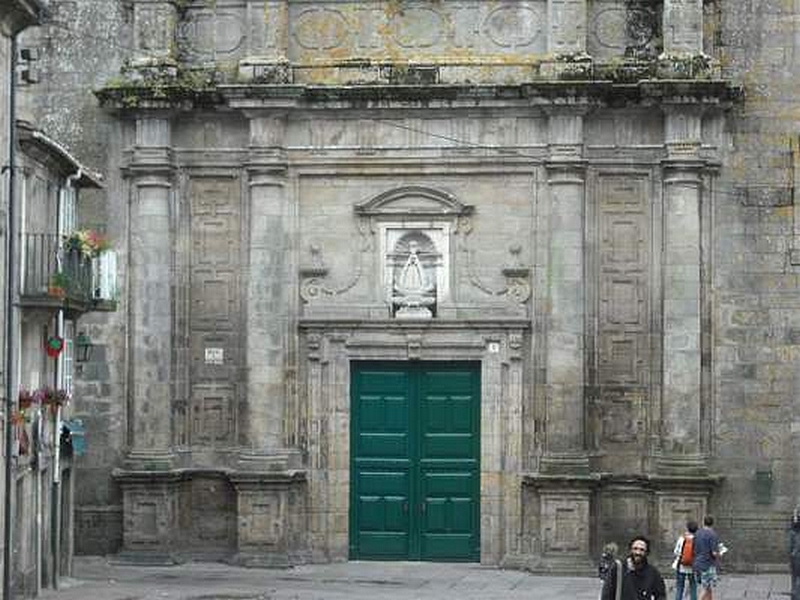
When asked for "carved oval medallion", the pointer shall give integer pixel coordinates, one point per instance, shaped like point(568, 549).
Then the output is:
point(229, 36)
point(513, 26)
point(321, 29)
point(204, 34)
point(619, 28)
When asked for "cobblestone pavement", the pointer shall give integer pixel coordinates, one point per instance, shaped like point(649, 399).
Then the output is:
point(97, 579)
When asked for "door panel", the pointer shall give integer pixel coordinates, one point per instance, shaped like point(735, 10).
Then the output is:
point(381, 462)
point(383, 513)
point(415, 470)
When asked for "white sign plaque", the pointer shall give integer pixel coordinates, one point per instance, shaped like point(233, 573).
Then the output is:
point(215, 356)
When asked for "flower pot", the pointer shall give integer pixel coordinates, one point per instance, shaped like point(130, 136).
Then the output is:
point(56, 292)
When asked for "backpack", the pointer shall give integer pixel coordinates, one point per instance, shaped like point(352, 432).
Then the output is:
point(687, 551)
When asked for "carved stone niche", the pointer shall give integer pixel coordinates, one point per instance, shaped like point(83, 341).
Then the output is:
point(414, 226)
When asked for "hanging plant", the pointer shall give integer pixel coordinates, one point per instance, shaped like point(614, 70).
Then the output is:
point(54, 346)
point(43, 397)
point(88, 242)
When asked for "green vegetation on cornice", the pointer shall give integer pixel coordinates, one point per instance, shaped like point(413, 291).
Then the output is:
point(144, 86)
point(172, 84)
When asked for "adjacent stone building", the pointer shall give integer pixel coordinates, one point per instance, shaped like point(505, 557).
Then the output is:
point(441, 280)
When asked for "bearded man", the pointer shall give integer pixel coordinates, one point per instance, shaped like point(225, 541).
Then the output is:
point(639, 579)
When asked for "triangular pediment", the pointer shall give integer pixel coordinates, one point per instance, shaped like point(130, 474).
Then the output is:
point(413, 201)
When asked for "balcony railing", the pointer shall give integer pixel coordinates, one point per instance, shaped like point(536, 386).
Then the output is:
point(51, 276)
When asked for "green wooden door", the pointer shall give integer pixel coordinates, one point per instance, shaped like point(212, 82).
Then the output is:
point(415, 472)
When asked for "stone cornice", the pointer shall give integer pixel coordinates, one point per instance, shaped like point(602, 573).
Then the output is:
point(698, 483)
point(543, 94)
point(183, 474)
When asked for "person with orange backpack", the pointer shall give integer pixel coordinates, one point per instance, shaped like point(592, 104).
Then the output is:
point(684, 557)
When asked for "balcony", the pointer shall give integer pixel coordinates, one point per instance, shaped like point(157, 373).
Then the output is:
point(51, 277)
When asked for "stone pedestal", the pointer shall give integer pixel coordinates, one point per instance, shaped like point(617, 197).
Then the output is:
point(563, 523)
point(271, 517)
point(679, 500)
point(150, 516)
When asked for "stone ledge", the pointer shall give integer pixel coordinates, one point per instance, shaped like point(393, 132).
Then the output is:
point(174, 94)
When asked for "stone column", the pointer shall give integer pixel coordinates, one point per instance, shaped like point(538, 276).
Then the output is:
point(565, 346)
point(149, 484)
point(268, 292)
point(683, 27)
point(683, 289)
point(566, 34)
point(150, 285)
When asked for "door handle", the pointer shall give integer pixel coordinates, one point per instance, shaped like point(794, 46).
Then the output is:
point(405, 506)
point(422, 507)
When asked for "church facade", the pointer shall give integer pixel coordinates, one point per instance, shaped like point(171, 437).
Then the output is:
point(439, 280)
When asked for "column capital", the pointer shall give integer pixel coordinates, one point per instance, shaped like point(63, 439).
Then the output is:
point(683, 129)
point(565, 133)
point(150, 178)
point(261, 174)
point(685, 170)
point(267, 147)
point(150, 166)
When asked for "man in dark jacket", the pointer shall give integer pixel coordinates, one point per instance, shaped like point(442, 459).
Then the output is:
point(640, 580)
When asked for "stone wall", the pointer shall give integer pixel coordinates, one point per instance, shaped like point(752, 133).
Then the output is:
point(81, 46)
point(755, 326)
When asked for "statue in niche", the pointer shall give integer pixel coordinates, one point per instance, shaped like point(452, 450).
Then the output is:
point(413, 293)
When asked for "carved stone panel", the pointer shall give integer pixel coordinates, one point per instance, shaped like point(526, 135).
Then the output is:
point(623, 324)
point(621, 378)
point(215, 316)
point(150, 515)
point(215, 343)
point(213, 415)
point(564, 521)
point(212, 34)
point(413, 29)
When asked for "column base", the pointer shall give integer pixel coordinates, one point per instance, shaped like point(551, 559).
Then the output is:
point(681, 465)
point(573, 566)
point(564, 464)
point(145, 559)
point(142, 460)
point(263, 461)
